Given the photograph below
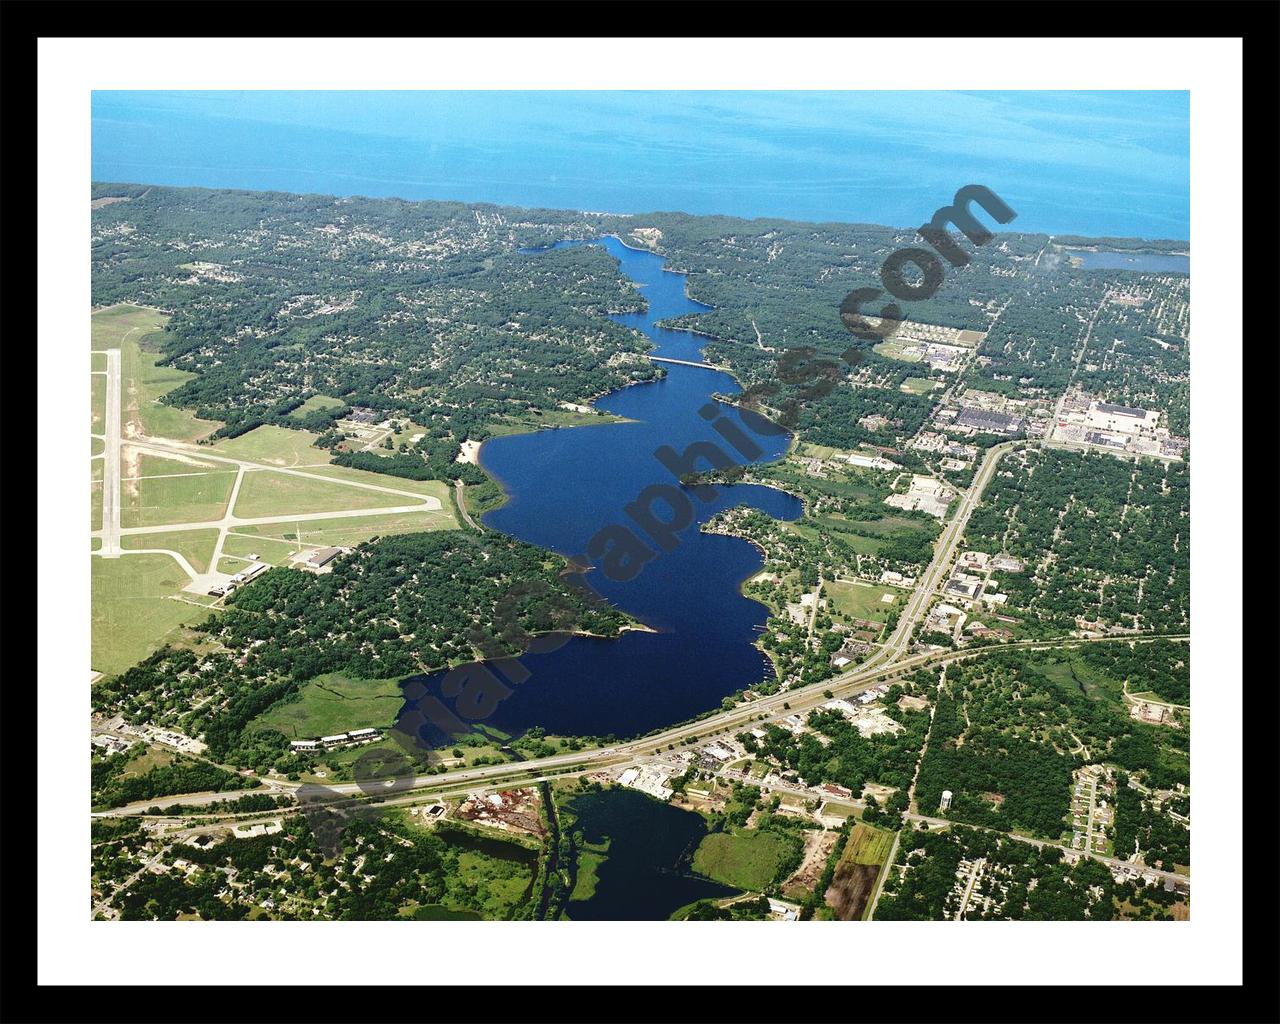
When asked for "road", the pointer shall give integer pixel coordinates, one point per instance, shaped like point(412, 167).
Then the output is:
point(735, 719)
point(945, 548)
point(460, 489)
point(817, 600)
point(974, 871)
point(889, 661)
point(111, 461)
point(1093, 803)
point(688, 362)
point(1075, 367)
point(1112, 861)
point(883, 877)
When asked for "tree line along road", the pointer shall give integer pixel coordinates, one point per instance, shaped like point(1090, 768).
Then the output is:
point(633, 751)
point(886, 663)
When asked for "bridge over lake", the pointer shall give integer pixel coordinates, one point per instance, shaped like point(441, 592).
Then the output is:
point(688, 362)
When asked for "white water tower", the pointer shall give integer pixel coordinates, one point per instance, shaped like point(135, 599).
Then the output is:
point(946, 800)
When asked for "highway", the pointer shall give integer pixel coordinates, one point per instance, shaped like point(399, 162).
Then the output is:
point(637, 751)
point(886, 663)
point(882, 664)
point(943, 552)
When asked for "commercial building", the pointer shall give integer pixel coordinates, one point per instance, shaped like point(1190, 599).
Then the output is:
point(245, 575)
point(870, 462)
point(925, 494)
point(987, 422)
point(318, 559)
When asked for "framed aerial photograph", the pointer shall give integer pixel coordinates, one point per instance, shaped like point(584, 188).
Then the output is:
point(543, 497)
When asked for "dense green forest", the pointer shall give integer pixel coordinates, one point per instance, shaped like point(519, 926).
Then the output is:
point(393, 607)
point(114, 784)
point(419, 309)
point(1010, 727)
point(428, 309)
point(1105, 540)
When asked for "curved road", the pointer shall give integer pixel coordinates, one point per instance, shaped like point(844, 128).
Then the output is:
point(885, 663)
point(634, 751)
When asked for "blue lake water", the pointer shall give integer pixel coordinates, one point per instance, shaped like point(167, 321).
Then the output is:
point(1145, 262)
point(646, 874)
point(1095, 163)
point(565, 485)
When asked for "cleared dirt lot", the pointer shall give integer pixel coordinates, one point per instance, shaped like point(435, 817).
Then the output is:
point(855, 875)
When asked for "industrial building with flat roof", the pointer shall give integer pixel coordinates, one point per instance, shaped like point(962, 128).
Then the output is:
point(989, 422)
point(1121, 410)
point(322, 557)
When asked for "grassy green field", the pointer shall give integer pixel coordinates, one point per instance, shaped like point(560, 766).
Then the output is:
point(97, 446)
point(314, 404)
point(270, 550)
point(276, 446)
point(747, 859)
point(917, 385)
point(186, 496)
point(885, 526)
point(142, 382)
point(139, 370)
point(264, 493)
point(98, 404)
point(156, 464)
point(436, 488)
point(149, 758)
point(347, 532)
point(334, 703)
point(862, 545)
point(867, 845)
point(95, 494)
point(587, 878)
point(98, 362)
point(111, 327)
point(862, 602)
point(1075, 674)
point(497, 885)
point(855, 876)
point(196, 546)
point(132, 612)
point(897, 350)
point(809, 450)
